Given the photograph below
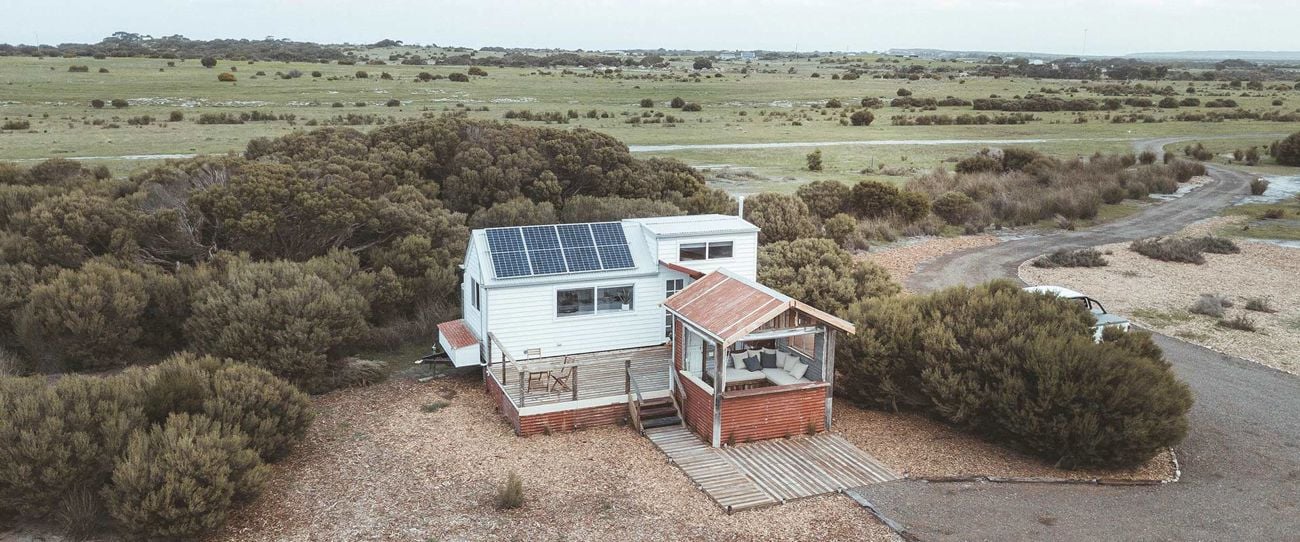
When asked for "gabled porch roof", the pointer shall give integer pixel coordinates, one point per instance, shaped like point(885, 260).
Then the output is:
point(728, 307)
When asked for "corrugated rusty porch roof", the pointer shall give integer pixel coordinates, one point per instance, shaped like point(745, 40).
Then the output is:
point(728, 306)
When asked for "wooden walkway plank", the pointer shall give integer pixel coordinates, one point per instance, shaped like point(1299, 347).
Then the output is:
point(769, 472)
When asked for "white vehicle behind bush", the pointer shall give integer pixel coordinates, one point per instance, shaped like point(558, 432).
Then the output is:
point(1104, 319)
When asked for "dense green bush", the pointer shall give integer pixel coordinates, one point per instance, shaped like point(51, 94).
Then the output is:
point(824, 198)
point(613, 209)
point(954, 208)
point(516, 212)
point(1018, 369)
point(86, 318)
point(862, 117)
point(874, 199)
point(1287, 151)
point(780, 217)
point(820, 273)
point(271, 412)
point(180, 478)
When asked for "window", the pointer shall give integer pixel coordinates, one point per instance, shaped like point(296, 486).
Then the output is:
point(473, 284)
point(704, 251)
point(588, 301)
point(671, 287)
point(719, 250)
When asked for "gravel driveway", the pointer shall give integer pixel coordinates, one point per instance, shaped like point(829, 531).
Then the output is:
point(1241, 459)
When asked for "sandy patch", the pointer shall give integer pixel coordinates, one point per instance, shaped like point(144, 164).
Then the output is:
point(374, 466)
point(902, 258)
point(1157, 294)
point(924, 448)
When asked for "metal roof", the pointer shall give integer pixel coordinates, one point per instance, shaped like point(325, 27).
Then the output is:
point(643, 262)
point(457, 334)
point(728, 307)
point(690, 225)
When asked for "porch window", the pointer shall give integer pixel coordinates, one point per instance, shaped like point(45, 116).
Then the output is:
point(712, 250)
point(589, 301)
point(671, 287)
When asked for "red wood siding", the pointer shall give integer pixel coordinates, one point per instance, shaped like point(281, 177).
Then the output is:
point(698, 405)
point(569, 420)
point(504, 406)
point(760, 414)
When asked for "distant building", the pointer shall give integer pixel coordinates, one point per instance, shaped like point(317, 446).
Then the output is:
point(747, 55)
point(727, 56)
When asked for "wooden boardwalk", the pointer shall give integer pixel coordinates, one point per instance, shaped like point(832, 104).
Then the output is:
point(769, 472)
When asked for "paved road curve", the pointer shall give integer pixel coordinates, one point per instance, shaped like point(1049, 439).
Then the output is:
point(1241, 459)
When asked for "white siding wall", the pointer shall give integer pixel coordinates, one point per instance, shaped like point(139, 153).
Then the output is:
point(743, 262)
point(524, 318)
point(473, 318)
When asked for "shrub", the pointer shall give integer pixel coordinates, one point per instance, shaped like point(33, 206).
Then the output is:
point(97, 103)
point(226, 77)
point(119, 103)
point(824, 198)
point(1086, 257)
point(980, 163)
point(179, 479)
point(176, 116)
point(647, 102)
point(80, 514)
point(515, 212)
point(1147, 157)
point(1169, 250)
point(1273, 213)
point(1287, 151)
point(511, 493)
point(692, 107)
point(955, 208)
point(361, 74)
point(1017, 369)
point(814, 160)
point(55, 438)
point(613, 208)
point(16, 124)
point(862, 117)
point(1260, 304)
point(780, 217)
point(874, 199)
point(1217, 245)
point(902, 92)
point(394, 102)
point(677, 102)
point(208, 62)
point(834, 103)
point(477, 71)
point(1240, 322)
point(457, 77)
point(820, 273)
point(315, 73)
point(1258, 186)
point(85, 318)
point(1208, 305)
point(271, 412)
point(841, 228)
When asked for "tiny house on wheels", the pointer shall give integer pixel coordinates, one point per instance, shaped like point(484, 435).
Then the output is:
point(658, 321)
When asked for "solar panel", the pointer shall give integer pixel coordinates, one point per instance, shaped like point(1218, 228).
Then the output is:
point(547, 262)
point(582, 259)
point(504, 240)
point(541, 237)
point(563, 248)
point(609, 233)
point(511, 264)
point(575, 235)
point(616, 257)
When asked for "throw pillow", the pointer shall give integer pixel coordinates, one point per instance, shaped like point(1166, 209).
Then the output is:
point(752, 363)
point(799, 369)
point(787, 360)
point(768, 357)
point(738, 360)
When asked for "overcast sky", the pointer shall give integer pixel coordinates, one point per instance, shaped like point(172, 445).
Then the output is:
point(1113, 26)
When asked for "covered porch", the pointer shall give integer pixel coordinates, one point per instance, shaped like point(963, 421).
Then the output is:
point(753, 364)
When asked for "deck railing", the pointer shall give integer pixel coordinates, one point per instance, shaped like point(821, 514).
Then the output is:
point(589, 376)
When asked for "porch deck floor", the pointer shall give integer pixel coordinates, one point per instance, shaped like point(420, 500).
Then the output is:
point(769, 472)
point(599, 374)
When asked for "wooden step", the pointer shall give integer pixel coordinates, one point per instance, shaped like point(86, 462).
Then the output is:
point(660, 422)
point(657, 411)
point(655, 402)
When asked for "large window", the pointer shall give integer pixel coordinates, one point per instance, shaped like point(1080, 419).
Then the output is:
point(704, 251)
point(588, 301)
point(473, 284)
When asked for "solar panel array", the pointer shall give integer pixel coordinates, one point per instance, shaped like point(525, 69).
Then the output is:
point(553, 250)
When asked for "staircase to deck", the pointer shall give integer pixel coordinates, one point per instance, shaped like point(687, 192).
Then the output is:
point(651, 413)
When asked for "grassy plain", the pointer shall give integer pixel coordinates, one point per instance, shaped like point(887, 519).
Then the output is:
point(768, 105)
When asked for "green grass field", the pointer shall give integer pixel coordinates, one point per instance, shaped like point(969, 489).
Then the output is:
point(768, 105)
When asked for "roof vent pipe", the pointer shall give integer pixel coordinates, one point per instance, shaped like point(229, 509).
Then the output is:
point(740, 206)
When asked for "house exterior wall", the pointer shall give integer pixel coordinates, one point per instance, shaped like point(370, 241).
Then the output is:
point(743, 262)
point(760, 414)
point(697, 406)
point(473, 317)
point(569, 420)
point(504, 406)
point(523, 318)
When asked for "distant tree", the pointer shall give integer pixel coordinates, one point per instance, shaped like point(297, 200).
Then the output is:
point(394, 102)
point(176, 116)
point(902, 92)
point(862, 117)
point(361, 74)
point(424, 76)
point(97, 103)
point(316, 73)
point(208, 62)
point(1252, 156)
point(780, 217)
point(1288, 150)
point(677, 103)
point(834, 103)
point(814, 160)
point(647, 102)
point(702, 63)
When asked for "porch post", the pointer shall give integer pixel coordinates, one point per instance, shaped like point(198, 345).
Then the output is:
point(828, 372)
point(719, 384)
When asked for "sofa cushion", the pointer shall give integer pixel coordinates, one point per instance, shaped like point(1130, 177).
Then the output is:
point(799, 369)
point(787, 360)
point(738, 360)
point(752, 363)
point(780, 377)
point(768, 357)
point(736, 376)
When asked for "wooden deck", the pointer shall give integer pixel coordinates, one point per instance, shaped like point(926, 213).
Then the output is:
point(599, 374)
point(769, 472)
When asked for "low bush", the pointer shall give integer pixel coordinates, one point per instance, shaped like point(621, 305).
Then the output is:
point(1183, 250)
point(780, 217)
point(1260, 304)
point(1209, 305)
point(1017, 369)
point(1086, 257)
point(511, 493)
point(954, 208)
point(16, 124)
point(226, 77)
point(1258, 187)
point(1217, 245)
point(1273, 213)
point(693, 107)
point(1240, 322)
